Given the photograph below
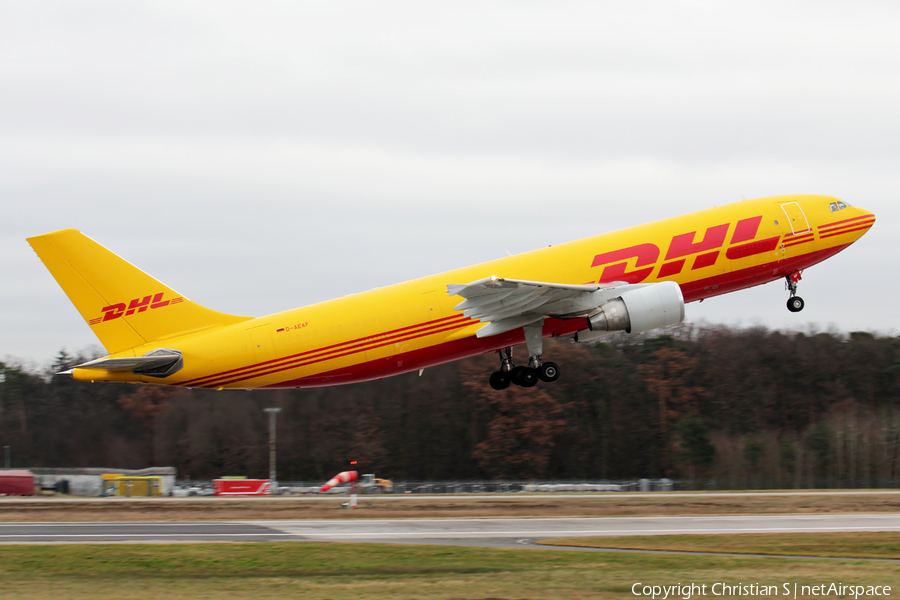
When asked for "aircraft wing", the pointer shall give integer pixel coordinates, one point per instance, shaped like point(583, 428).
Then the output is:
point(505, 304)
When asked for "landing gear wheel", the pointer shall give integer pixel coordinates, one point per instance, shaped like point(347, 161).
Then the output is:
point(499, 380)
point(529, 377)
point(548, 372)
point(795, 304)
point(516, 374)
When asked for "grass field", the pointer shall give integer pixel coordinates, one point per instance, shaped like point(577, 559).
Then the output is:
point(361, 572)
point(375, 507)
point(859, 545)
point(368, 571)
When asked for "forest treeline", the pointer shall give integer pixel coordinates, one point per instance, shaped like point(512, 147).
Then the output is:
point(743, 408)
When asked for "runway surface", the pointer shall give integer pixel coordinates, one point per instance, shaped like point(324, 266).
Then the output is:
point(469, 532)
point(518, 496)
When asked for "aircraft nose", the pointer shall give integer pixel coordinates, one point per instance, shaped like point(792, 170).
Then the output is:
point(850, 228)
point(862, 223)
point(868, 219)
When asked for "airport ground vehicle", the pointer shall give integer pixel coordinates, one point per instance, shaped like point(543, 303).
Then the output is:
point(375, 485)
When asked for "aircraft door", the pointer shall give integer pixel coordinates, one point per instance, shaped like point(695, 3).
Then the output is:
point(796, 220)
point(261, 342)
point(431, 306)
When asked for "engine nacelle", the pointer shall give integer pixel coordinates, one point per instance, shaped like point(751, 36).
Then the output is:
point(642, 309)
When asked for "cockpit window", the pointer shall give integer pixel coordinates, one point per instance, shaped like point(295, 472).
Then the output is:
point(833, 207)
point(841, 205)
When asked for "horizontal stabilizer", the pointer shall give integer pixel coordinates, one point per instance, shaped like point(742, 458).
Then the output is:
point(159, 363)
point(128, 363)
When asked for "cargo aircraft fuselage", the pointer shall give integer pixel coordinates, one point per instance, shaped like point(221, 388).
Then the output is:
point(631, 280)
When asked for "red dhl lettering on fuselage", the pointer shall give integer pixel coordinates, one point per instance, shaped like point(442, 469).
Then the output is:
point(681, 248)
point(136, 305)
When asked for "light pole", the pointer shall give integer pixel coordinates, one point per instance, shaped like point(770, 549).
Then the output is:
point(273, 483)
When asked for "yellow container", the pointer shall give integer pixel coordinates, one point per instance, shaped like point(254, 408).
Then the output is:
point(144, 487)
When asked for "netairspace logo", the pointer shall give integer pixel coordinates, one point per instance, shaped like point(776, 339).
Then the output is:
point(692, 590)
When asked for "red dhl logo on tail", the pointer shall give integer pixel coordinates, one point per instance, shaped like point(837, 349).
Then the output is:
point(137, 305)
point(682, 247)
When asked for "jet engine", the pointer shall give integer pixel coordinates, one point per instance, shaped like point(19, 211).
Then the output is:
point(640, 309)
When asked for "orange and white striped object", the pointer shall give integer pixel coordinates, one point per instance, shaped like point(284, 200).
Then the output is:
point(342, 477)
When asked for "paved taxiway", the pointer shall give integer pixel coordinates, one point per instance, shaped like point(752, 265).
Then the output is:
point(480, 532)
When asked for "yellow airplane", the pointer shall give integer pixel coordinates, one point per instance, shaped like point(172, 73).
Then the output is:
point(632, 280)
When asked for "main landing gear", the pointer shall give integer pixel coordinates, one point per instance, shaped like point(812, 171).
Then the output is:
point(522, 375)
point(795, 303)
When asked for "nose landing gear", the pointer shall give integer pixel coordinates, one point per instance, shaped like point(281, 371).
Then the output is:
point(795, 303)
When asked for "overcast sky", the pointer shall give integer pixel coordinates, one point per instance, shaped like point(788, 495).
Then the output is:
point(261, 156)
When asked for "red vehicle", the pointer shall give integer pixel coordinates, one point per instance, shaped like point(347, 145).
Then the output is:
point(241, 487)
point(16, 483)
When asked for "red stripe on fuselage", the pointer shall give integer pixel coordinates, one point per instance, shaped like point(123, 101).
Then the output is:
point(346, 351)
point(413, 360)
point(842, 231)
point(797, 242)
point(845, 221)
point(334, 347)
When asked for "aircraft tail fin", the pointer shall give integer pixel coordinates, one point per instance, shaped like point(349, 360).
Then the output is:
point(124, 306)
